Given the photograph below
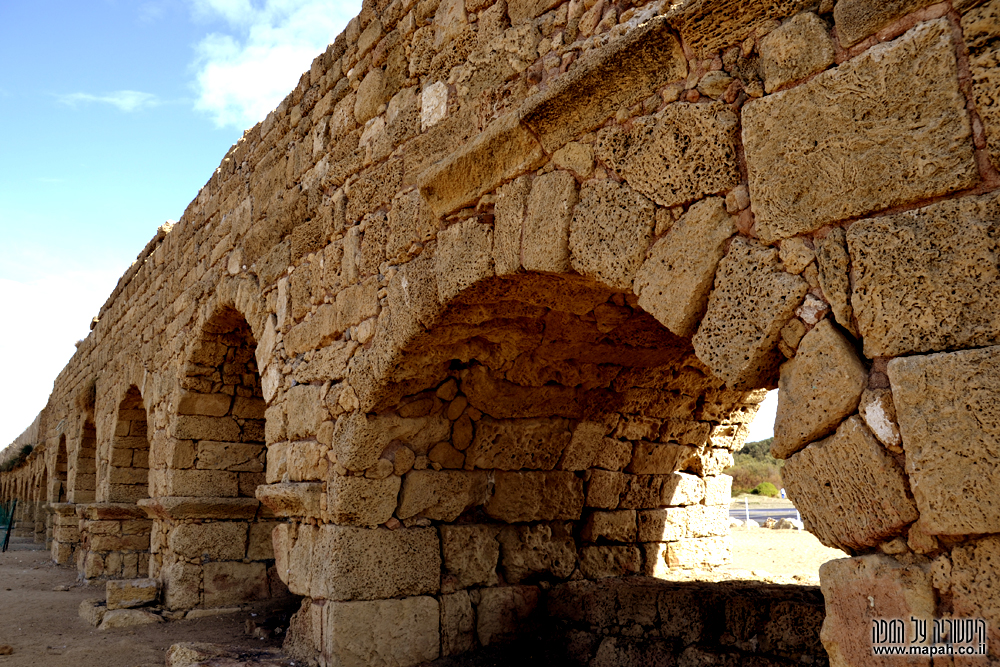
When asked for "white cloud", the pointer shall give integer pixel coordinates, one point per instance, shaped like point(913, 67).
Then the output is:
point(245, 72)
point(125, 100)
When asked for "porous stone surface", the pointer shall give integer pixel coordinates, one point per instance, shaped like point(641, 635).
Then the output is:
point(981, 28)
point(973, 579)
point(795, 137)
point(857, 19)
point(440, 495)
point(536, 496)
point(879, 412)
point(834, 276)
point(676, 156)
point(861, 590)
point(127, 618)
point(946, 406)
point(851, 493)
point(610, 561)
point(794, 50)
point(707, 27)
point(359, 501)
point(545, 240)
point(504, 613)
point(938, 259)
point(817, 389)
point(547, 549)
point(471, 554)
point(518, 445)
point(674, 282)
point(750, 303)
point(610, 231)
point(129, 593)
point(383, 632)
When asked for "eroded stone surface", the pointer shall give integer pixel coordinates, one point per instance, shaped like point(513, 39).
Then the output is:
point(796, 49)
point(981, 28)
point(926, 280)
point(817, 389)
point(851, 493)
point(947, 409)
point(674, 282)
point(751, 302)
point(808, 135)
point(973, 584)
point(856, 19)
point(383, 632)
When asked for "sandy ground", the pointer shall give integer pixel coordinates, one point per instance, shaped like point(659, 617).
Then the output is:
point(39, 620)
point(42, 626)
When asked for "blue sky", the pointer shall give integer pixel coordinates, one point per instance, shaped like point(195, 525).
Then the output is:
point(115, 113)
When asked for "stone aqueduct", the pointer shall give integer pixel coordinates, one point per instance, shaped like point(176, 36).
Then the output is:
point(487, 302)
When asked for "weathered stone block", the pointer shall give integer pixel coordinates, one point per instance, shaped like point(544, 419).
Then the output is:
point(292, 499)
point(537, 549)
point(651, 491)
point(947, 406)
point(536, 496)
point(360, 501)
point(128, 593)
point(659, 458)
point(923, 150)
point(794, 50)
point(471, 554)
point(707, 27)
point(181, 585)
point(600, 562)
point(817, 389)
point(860, 590)
point(974, 578)
point(545, 241)
point(441, 495)
point(127, 618)
point(503, 614)
point(364, 564)
point(382, 632)
point(518, 444)
point(751, 302)
point(678, 155)
point(676, 523)
point(857, 19)
point(618, 526)
point(464, 257)
point(981, 29)
point(212, 405)
point(834, 262)
point(218, 540)
point(230, 583)
point(851, 493)
point(508, 224)
point(611, 229)
point(194, 482)
point(235, 456)
point(695, 552)
point(674, 282)
point(940, 259)
point(458, 624)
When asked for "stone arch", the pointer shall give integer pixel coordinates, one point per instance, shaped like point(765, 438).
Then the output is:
point(82, 482)
point(124, 474)
point(60, 472)
point(212, 542)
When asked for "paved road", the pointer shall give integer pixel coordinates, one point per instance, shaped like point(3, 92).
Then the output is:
point(761, 515)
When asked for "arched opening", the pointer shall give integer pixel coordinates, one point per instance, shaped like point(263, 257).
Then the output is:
point(60, 471)
point(215, 548)
point(82, 484)
point(127, 476)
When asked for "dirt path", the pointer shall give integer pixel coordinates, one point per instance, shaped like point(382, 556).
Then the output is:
point(42, 625)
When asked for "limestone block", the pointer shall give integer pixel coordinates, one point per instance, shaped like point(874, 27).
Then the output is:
point(92, 611)
point(546, 549)
point(658, 458)
point(575, 157)
point(212, 405)
point(518, 444)
point(707, 27)
point(677, 523)
point(879, 412)
point(618, 526)
point(370, 96)
point(441, 495)
point(230, 583)
point(471, 554)
point(605, 561)
point(794, 50)
point(751, 302)
point(674, 282)
point(796, 255)
point(817, 389)
point(834, 262)
point(939, 259)
point(298, 499)
point(458, 624)
point(545, 241)
point(678, 155)
point(395, 633)
point(536, 496)
point(260, 545)
point(611, 229)
point(857, 19)
point(584, 446)
point(504, 150)
point(359, 440)
point(305, 411)
point(217, 540)
point(235, 456)
point(504, 614)
point(981, 28)
point(129, 593)
point(718, 490)
point(364, 564)
point(947, 409)
point(464, 257)
point(181, 585)
point(127, 618)
point(974, 578)
point(851, 493)
point(605, 488)
point(360, 501)
point(197, 654)
point(860, 590)
point(696, 552)
point(199, 427)
point(508, 223)
point(651, 491)
point(923, 150)
point(606, 79)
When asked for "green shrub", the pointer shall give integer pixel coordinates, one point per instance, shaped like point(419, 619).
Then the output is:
point(765, 489)
point(754, 465)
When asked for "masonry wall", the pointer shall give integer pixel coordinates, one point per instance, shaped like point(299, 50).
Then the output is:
point(498, 287)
